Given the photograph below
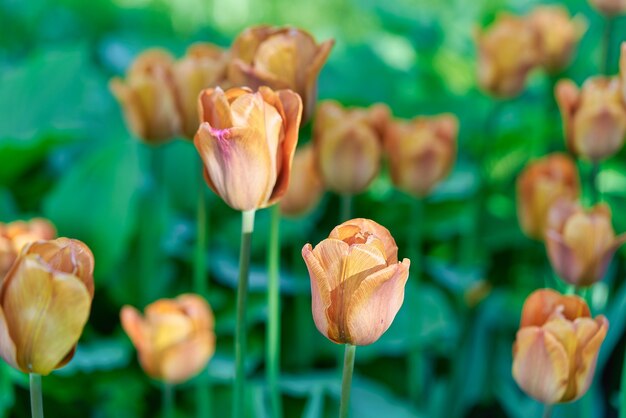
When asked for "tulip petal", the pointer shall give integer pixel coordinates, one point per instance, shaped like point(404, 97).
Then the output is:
point(7, 346)
point(276, 58)
point(186, 359)
point(366, 227)
point(563, 259)
point(197, 309)
point(215, 109)
point(543, 303)
point(590, 335)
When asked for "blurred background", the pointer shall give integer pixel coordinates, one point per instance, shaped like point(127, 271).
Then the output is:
point(66, 154)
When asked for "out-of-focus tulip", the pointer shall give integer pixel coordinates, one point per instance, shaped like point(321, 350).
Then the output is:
point(581, 244)
point(175, 339)
point(609, 7)
point(305, 187)
point(281, 58)
point(507, 51)
point(556, 348)
point(539, 186)
point(247, 141)
point(148, 97)
point(203, 66)
point(558, 35)
point(357, 283)
point(348, 145)
point(45, 301)
point(15, 235)
point(594, 117)
point(421, 152)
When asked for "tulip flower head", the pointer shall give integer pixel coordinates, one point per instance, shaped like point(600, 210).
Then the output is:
point(247, 141)
point(609, 7)
point(45, 301)
point(280, 58)
point(16, 235)
point(357, 283)
point(556, 348)
point(175, 339)
point(421, 152)
point(305, 187)
point(539, 186)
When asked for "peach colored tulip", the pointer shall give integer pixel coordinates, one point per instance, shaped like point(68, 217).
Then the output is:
point(175, 339)
point(305, 187)
point(247, 141)
point(45, 301)
point(609, 7)
point(357, 283)
point(348, 145)
point(539, 186)
point(556, 348)
point(581, 243)
point(15, 235)
point(421, 151)
point(148, 97)
point(594, 117)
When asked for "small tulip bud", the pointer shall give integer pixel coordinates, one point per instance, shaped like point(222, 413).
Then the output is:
point(609, 7)
point(305, 187)
point(175, 339)
point(556, 348)
point(357, 283)
point(247, 141)
point(16, 235)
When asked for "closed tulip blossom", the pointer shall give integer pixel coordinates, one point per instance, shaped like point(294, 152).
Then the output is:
point(539, 186)
point(175, 338)
point(305, 187)
point(280, 58)
point(609, 7)
point(594, 117)
point(556, 347)
point(45, 301)
point(421, 152)
point(348, 145)
point(247, 141)
point(581, 243)
point(15, 235)
point(357, 283)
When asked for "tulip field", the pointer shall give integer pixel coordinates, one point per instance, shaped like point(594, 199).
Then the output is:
point(290, 209)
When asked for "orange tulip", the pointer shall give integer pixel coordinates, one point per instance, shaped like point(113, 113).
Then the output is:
point(15, 235)
point(581, 244)
point(609, 7)
point(556, 348)
point(247, 141)
point(45, 301)
point(175, 339)
point(305, 187)
point(594, 117)
point(421, 152)
point(348, 145)
point(357, 283)
point(281, 58)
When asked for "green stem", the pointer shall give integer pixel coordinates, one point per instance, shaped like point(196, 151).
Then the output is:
point(622, 393)
point(346, 383)
point(273, 304)
point(593, 183)
point(346, 208)
point(247, 226)
point(547, 411)
point(606, 45)
point(36, 399)
point(204, 399)
point(168, 401)
point(415, 358)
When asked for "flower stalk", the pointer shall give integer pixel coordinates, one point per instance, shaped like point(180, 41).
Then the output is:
point(168, 401)
point(273, 303)
point(346, 383)
point(36, 399)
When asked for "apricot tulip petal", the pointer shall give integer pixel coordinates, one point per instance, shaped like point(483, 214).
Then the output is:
point(215, 109)
point(7, 346)
point(541, 304)
point(185, 360)
point(562, 258)
point(320, 291)
point(591, 343)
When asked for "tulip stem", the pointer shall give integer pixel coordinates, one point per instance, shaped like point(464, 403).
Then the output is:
point(593, 182)
point(168, 401)
point(36, 399)
point(415, 360)
point(547, 410)
point(273, 305)
point(346, 208)
point(247, 226)
point(622, 400)
point(346, 384)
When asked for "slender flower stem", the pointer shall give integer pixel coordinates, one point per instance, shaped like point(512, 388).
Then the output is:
point(547, 411)
point(346, 383)
point(346, 208)
point(593, 183)
point(247, 226)
point(273, 303)
point(36, 400)
point(168, 401)
point(415, 358)
point(622, 394)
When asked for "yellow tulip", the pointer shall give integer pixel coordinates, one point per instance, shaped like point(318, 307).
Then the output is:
point(305, 187)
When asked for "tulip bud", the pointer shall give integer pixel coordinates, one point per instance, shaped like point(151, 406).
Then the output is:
point(247, 141)
point(594, 118)
point(175, 339)
point(15, 235)
point(348, 145)
point(507, 51)
point(609, 7)
point(421, 152)
point(305, 187)
point(148, 97)
point(45, 301)
point(281, 58)
point(556, 348)
point(542, 183)
point(357, 283)
point(581, 244)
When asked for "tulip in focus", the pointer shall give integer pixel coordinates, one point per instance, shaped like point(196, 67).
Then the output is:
point(357, 283)
point(556, 348)
point(581, 243)
point(15, 235)
point(421, 152)
point(348, 145)
point(539, 186)
point(280, 58)
point(247, 141)
point(594, 117)
point(609, 7)
point(175, 339)
point(45, 301)
point(305, 187)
